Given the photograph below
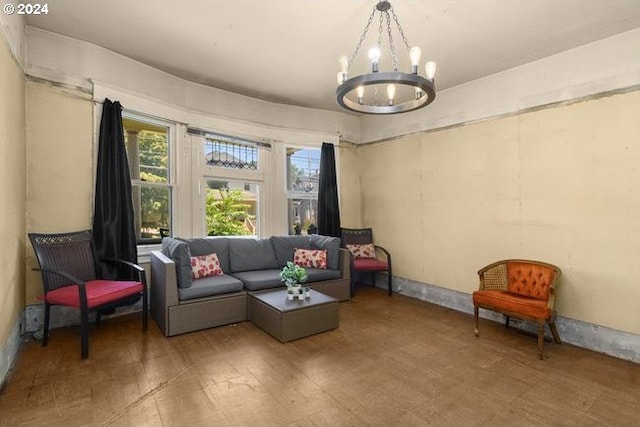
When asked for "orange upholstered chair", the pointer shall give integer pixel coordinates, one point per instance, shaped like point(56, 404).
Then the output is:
point(522, 289)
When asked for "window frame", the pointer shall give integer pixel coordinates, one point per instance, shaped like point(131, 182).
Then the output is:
point(151, 244)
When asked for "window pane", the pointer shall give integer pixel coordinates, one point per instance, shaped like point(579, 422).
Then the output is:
point(231, 208)
point(152, 207)
point(302, 216)
point(147, 147)
point(147, 151)
point(303, 173)
point(303, 169)
point(228, 154)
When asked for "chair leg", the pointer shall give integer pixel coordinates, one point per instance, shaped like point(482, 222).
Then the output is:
point(84, 333)
point(373, 279)
point(389, 282)
point(144, 310)
point(540, 340)
point(98, 317)
point(45, 328)
point(477, 322)
point(554, 332)
point(506, 322)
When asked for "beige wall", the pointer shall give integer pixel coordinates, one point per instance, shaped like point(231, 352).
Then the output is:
point(12, 192)
point(349, 185)
point(560, 185)
point(59, 166)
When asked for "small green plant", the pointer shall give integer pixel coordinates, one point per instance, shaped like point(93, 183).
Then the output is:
point(292, 274)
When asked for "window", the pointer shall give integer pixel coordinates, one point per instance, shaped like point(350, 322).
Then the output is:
point(303, 172)
point(147, 144)
point(231, 208)
point(230, 153)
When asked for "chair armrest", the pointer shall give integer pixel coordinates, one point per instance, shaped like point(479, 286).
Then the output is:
point(123, 262)
point(82, 292)
point(71, 278)
point(385, 252)
point(142, 275)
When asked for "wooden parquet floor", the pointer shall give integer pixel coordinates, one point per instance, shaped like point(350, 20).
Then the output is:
point(393, 361)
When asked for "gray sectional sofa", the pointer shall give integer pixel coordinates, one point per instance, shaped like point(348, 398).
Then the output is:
point(180, 304)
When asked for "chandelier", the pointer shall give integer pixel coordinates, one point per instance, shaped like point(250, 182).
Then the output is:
point(388, 92)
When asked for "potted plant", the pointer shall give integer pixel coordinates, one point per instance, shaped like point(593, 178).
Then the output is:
point(293, 275)
point(307, 292)
point(290, 294)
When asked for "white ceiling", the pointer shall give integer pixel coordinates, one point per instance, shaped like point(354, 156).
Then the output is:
point(286, 50)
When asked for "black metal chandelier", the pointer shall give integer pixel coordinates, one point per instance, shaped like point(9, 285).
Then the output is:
point(388, 92)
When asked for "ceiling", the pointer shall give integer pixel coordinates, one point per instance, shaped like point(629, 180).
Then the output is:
point(286, 51)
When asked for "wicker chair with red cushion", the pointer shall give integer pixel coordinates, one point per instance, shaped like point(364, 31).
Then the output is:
point(68, 266)
point(365, 254)
point(522, 289)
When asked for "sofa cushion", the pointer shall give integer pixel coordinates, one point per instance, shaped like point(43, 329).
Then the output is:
point(209, 245)
point(285, 246)
point(179, 252)
point(316, 258)
point(320, 274)
point(205, 266)
point(246, 254)
point(331, 245)
point(210, 286)
point(260, 279)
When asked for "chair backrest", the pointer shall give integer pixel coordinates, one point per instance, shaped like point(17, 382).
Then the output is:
point(356, 236)
point(533, 279)
point(72, 253)
point(530, 279)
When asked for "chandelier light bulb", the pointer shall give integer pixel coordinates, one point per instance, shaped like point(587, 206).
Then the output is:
point(430, 70)
point(360, 93)
point(374, 56)
point(344, 64)
point(341, 77)
point(414, 54)
point(419, 93)
point(391, 93)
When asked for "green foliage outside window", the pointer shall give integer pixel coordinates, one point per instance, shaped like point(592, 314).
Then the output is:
point(227, 212)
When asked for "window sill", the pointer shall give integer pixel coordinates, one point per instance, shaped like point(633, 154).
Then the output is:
point(144, 252)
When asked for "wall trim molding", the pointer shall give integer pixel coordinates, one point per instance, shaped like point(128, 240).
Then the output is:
point(613, 342)
point(555, 104)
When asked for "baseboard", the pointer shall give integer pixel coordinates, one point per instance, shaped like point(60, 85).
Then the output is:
point(620, 344)
point(9, 351)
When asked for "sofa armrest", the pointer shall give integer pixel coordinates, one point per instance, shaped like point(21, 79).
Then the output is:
point(345, 264)
point(164, 289)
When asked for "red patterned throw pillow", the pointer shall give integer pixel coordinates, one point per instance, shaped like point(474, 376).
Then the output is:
point(362, 251)
point(205, 266)
point(313, 258)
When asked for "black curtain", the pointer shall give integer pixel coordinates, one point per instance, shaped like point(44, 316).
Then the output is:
point(113, 220)
point(328, 211)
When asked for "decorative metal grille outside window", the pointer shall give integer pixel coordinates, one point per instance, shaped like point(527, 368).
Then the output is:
point(228, 154)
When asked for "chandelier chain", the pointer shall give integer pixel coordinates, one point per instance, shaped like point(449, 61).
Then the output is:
point(364, 34)
point(404, 38)
point(392, 48)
